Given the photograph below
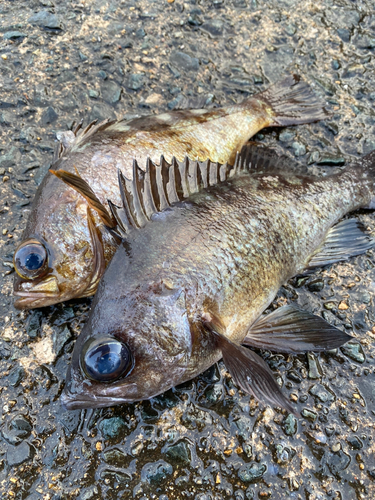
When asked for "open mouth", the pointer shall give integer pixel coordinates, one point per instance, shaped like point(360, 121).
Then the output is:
point(36, 293)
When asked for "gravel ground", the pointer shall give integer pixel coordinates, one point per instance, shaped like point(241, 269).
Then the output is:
point(64, 61)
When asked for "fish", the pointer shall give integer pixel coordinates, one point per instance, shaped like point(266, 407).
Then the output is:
point(190, 284)
point(66, 247)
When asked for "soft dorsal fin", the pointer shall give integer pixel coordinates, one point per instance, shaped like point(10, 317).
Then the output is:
point(76, 182)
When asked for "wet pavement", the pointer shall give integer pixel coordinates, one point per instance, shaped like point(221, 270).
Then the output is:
point(65, 61)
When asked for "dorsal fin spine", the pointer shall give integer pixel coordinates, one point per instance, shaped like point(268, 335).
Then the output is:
point(204, 168)
point(193, 177)
point(213, 173)
point(135, 187)
point(148, 199)
point(171, 188)
point(162, 185)
point(153, 183)
point(125, 199)
point(123, 223)
point(223, 173)
point(184, 169)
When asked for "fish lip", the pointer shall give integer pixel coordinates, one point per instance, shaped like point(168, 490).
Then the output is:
point(81, 401)
point(29, 297)
point(30, 300)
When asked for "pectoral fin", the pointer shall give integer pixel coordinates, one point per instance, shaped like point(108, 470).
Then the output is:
point(344, 240)
point(248, 370)
point(252, 374)
point(289, 329)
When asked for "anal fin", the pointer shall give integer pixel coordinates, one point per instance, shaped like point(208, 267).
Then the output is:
point(289, 329)
point(344, 240)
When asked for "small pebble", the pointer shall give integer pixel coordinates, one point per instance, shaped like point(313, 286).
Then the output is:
point(336, 447)
point(290, 425)
point(155, 473)
point(299, 149)
point(111, 427)
point(310, 415)
point(343, 306)
point(17, 455)
point(354, 351)
point(252, 472)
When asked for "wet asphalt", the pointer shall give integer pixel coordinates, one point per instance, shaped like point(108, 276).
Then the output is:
point(65, 61)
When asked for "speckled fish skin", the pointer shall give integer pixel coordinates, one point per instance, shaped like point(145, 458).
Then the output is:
point(78, 251)
point(224, 254)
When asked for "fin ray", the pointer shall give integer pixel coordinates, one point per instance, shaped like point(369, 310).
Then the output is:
point(292, 330)
point(293, 102)
point(76, 182)
point(344, 240)
point(252, 374)
point(80, 135)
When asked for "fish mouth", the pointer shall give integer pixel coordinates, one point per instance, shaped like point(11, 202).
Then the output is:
point(71, 401)
point(36, 293)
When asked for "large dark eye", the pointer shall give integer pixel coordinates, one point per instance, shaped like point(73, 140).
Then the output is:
point(105, 359)
point(30, 259)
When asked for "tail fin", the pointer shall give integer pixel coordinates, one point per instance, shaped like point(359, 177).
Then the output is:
point(293, 102)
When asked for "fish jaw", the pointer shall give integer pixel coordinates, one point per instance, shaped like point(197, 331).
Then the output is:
point(87, 399)
point(38, 293)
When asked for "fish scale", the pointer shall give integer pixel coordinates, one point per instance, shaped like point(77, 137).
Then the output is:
point(207, 267)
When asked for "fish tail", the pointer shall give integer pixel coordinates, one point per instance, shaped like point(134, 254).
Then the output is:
point(292, 102)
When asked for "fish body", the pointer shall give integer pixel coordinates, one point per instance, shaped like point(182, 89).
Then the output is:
point(187, 288)
point(65, 247)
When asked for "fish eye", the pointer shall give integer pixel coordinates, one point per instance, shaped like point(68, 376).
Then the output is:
point(105, 359)
point(31, 259)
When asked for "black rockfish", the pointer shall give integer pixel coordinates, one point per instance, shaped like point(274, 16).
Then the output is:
point(65, 247)
point(190, 286)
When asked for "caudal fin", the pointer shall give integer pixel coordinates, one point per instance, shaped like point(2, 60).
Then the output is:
point(292, 102)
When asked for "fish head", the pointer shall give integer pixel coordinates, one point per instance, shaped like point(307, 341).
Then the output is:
point(61, 253)
point(133, 348)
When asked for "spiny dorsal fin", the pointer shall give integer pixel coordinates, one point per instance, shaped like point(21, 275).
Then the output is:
point(162, 185)
point(76, 182)
point(80, 135)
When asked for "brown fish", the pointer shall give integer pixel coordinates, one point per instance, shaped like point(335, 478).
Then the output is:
point(190, 286)
point(65, 248)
